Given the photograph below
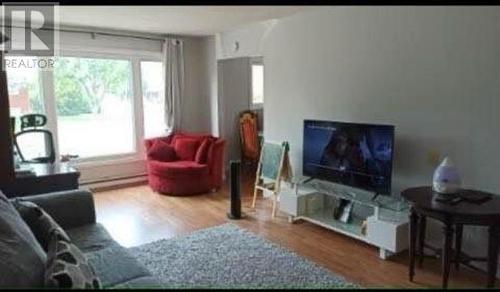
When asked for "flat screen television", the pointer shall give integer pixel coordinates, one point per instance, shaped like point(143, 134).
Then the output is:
point(357, 155)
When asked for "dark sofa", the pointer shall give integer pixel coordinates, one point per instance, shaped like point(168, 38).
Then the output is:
point(74, 211)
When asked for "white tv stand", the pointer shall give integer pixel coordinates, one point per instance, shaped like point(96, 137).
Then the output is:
point(313, 201)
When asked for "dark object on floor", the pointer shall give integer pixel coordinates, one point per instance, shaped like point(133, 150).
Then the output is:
point(235, 203)
point(74, 211)
point(454, 217)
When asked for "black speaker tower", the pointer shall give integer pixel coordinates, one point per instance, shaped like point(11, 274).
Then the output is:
point(235, 203)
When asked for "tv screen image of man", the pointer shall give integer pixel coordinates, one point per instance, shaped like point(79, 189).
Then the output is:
point(358, 155)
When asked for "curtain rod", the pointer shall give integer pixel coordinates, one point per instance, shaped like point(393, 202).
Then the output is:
point(95, 32)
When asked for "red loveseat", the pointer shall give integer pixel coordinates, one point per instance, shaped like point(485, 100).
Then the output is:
point(184, 164)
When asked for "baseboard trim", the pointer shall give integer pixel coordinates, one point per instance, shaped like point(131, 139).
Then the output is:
point(115, 183)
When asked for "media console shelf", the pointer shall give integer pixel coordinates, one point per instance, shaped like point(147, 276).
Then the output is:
point(315, 201)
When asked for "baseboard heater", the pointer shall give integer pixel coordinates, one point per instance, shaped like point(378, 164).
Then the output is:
point(115, 180)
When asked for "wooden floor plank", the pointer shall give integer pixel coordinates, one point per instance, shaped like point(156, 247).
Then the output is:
point(136, 215)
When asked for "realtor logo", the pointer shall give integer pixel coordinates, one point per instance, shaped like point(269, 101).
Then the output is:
point(30, 29)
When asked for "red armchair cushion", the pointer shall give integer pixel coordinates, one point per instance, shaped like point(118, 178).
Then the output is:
point(186, 148)
point(202, 153)
point(161, 151)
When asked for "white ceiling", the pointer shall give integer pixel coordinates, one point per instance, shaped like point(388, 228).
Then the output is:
point(188, 20)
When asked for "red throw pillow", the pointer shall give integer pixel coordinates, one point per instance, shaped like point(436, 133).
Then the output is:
point(202, 153)
point(162, 151)
point(185, 148)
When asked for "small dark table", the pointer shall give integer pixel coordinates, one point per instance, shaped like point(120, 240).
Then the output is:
point(46, 178)
point(423, 204)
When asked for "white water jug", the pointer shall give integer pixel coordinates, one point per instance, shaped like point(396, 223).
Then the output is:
point(446, 179)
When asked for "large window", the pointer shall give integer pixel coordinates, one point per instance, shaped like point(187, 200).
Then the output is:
point(89, 101)
point(94, 106)
point(257, 85)
point(153, 99)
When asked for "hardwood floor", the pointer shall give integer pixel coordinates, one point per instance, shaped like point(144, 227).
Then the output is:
point(136, 215)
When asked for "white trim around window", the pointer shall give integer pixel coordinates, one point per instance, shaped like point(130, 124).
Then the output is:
point(255, 61)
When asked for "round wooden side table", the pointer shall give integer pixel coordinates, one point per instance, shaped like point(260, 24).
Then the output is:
point(424, 202)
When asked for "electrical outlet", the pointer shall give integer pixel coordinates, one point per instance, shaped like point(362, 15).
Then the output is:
point(433, 156)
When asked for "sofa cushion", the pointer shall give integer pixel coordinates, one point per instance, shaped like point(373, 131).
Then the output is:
point(115, 265)
point(67, 266)
point(70, 208)
point(90, 237)
point(40, 223)
point(22, 258)
point(185, 148)
point(161, 151)
point(202, 152)
point(178, 168)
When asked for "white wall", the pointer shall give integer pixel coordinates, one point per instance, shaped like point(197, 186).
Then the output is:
point(233, 98)
point(210, 75)
point(433, 72)
point(84, 41)
point(250, 39)
point(196, 116)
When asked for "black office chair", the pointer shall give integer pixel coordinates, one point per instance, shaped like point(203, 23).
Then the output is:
point(34, 145)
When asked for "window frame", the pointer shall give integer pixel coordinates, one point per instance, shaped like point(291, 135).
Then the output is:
point(49, 101)
point(255, 61)
point(99, 158)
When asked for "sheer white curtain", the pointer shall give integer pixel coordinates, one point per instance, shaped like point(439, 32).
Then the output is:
point(173, 72)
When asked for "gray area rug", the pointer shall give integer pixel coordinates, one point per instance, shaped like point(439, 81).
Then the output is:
point(227, 256)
